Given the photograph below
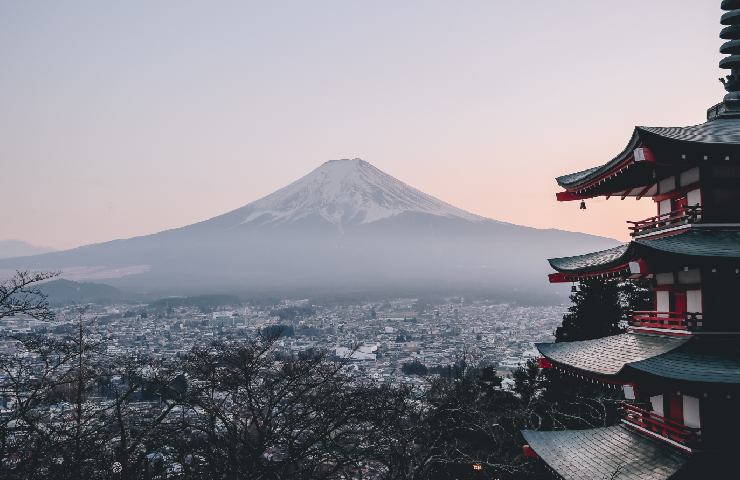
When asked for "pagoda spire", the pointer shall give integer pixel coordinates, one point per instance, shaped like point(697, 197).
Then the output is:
point(731, 48)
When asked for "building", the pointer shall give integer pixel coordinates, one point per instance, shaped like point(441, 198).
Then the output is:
point(679, 365)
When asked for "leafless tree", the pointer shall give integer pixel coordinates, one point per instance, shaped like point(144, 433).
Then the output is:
point(241, 410)
point(22, 295)
point(259, 415)
point(142, 393)
point(50, 425)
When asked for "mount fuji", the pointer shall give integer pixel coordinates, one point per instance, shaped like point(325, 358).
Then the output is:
point(340, 194)
point(346, 226)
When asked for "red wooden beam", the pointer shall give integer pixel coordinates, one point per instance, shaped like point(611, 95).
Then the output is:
point(567, 196)
point(529, 452)
point(634, 269)
point(544, 363)
point(558, 278)
point(640, 154)
point(620, 271)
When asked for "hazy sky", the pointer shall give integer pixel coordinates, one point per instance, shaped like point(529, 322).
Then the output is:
point(125, 118)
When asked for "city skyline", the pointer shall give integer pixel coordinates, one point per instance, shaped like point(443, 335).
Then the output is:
point(145, 117)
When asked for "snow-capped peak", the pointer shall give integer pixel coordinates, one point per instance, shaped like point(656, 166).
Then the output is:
point(344, 192)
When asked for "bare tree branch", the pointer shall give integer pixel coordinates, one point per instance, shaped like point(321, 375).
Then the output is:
point(22, 295)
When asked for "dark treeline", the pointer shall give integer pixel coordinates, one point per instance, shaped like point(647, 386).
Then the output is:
point(240, 410)
point(278, 331)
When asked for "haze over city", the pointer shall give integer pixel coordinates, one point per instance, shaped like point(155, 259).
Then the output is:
point(145, 116)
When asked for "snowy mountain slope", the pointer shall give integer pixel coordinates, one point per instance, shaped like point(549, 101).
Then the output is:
point(343, 193)
point(344, 224)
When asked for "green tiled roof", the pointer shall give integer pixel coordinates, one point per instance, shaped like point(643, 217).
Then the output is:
point(715, 132)
point(577, 178)
point(707, 360)
point(723, 131)
point(601, 259)
point(604, 454)
point(697, 242)
point(692, 359)
point(574, 178)
point(608, 355)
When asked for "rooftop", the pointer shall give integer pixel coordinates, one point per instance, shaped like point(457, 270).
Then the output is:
point(714, 360)
point(605, 453)
point(698, 361)
point(714, 140)
point(697, 244)
point(609, 355)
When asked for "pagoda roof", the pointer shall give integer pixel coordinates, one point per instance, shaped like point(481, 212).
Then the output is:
point(720, 131)
point(714, 360)
point(699, 244)
point(701, 360)
point(611, 452)
point(628, 170)
point(601, 259)
point(609, 355)
point(723, 243)
point(573, 180)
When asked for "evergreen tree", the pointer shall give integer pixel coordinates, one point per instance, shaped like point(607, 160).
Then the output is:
point(553, 399)
point(637, 295)
point(601, 308)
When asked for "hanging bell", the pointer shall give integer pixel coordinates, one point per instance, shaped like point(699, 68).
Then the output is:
point(583, 204)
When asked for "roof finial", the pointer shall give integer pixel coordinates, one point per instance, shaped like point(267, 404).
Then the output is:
point(731, 33)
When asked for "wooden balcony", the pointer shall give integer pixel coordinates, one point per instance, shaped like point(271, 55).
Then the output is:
point(675, 218)
point(683, 321)
point(670, 431)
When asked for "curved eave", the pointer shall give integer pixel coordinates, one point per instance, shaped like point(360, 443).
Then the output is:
point(719, 132)
point(700, 361)
point(602, 260)
point(585, 178)
point(612, 452)
point(625, 270)
point(695, 247)
point(661, 148)
point(607, 357)
point(698, 243)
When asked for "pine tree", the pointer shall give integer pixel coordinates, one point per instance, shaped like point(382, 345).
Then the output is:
point(601, 308)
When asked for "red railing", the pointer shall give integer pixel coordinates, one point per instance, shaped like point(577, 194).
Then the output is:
point(682, 216)
point(667, 320)
point(661, 426)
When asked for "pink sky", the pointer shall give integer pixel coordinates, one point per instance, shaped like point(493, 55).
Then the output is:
point(124, 119)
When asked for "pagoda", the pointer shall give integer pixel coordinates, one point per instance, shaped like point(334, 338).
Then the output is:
point(678, 366)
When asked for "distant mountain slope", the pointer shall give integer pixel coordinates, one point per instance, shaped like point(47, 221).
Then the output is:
point(19, 248)
point(346, 225)
point(65, 292)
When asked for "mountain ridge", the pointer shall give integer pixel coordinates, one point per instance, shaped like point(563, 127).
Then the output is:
point(12, 248)
point(345, 223)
